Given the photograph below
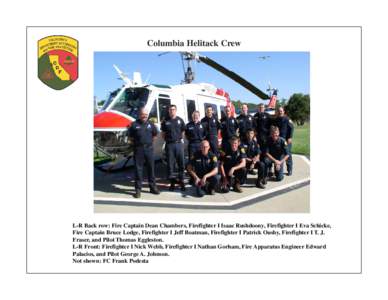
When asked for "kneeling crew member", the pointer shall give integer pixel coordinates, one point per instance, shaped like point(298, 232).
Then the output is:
point(142, 133)
point(172, 128)
point(232, 166)
point(253, 153)
point(277, 153)
point(203, 167)
point(195, 134)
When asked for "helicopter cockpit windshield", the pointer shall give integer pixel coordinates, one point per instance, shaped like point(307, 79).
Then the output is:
point(131, 100)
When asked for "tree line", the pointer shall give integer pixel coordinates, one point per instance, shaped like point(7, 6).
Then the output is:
point(297, 107)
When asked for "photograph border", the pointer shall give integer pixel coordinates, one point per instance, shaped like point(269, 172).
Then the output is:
point(177, 26)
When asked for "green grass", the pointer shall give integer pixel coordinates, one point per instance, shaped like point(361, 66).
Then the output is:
point(301, 139)
point(100, 159)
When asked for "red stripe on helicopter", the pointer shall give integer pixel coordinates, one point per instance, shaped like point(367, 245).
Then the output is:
point(229, 103)
point(110, 120)
point(272, 102)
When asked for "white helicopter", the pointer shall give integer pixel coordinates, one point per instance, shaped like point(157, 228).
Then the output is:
point(123, 104)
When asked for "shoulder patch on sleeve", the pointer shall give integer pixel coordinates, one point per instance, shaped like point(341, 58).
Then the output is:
point(215, 158)
point(242, 150)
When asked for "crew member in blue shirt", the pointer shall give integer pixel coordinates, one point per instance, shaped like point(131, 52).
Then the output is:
point(253, 159)
point(229, 128)
point(286, 130)
point(245, 122)
point(195, 134)
point(142, 134)
point(232, 167)
point(212, 127)
point(262, 124)
point(277, 153)
point(203, 168)
point(172, 129)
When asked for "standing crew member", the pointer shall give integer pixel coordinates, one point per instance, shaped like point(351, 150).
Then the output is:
point(195, 134)
point(229, 128)
point(262, 123)
point(173, 128)
point(277, 153)
point(253, 159)
point(212, 126)
point(232, 166)
point(203, 167)
point(245, 122)
point(142, 133)
point(286, 131)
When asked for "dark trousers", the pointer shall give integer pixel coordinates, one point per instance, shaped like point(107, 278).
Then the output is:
point(261, 169)
point(212, 182)
point(213, 141)
point(175, 153)
point(240, 175)
point(144, 155)
point(278, 174)
point(193, 148)
point(225, 144)
point(262, 141)
point(289, 162)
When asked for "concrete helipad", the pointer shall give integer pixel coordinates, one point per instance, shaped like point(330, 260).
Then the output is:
point(113, 192)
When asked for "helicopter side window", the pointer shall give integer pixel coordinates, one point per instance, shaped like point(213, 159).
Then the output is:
point(223, 114)
point(164, 104)
point(215, 111)
point(190, 106)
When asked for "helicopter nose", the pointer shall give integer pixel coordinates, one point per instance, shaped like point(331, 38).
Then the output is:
point(111, 120)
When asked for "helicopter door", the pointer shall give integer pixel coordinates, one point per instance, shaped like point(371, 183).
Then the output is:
point(159, 112)
point(215, 108)
point(163, 105)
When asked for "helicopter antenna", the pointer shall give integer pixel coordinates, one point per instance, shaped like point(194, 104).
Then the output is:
point(148, 77)
point(122, 75)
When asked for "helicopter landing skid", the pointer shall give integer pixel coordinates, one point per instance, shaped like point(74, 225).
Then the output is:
point(118, 164)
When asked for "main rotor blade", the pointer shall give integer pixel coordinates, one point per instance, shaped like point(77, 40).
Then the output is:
point(232, 75)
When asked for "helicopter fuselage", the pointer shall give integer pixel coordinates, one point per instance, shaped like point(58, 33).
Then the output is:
point(120, 111)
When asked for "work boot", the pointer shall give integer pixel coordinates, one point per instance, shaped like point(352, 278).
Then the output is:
point(259, 184)
point(154, 190)
point(172, 185)
point(237, 187)
point(137, 194)
point(289, 173)
point(264, 180)
point(199, 192)
point(210, 191)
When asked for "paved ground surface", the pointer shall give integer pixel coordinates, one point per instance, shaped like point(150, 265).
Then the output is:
point(114, 193)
